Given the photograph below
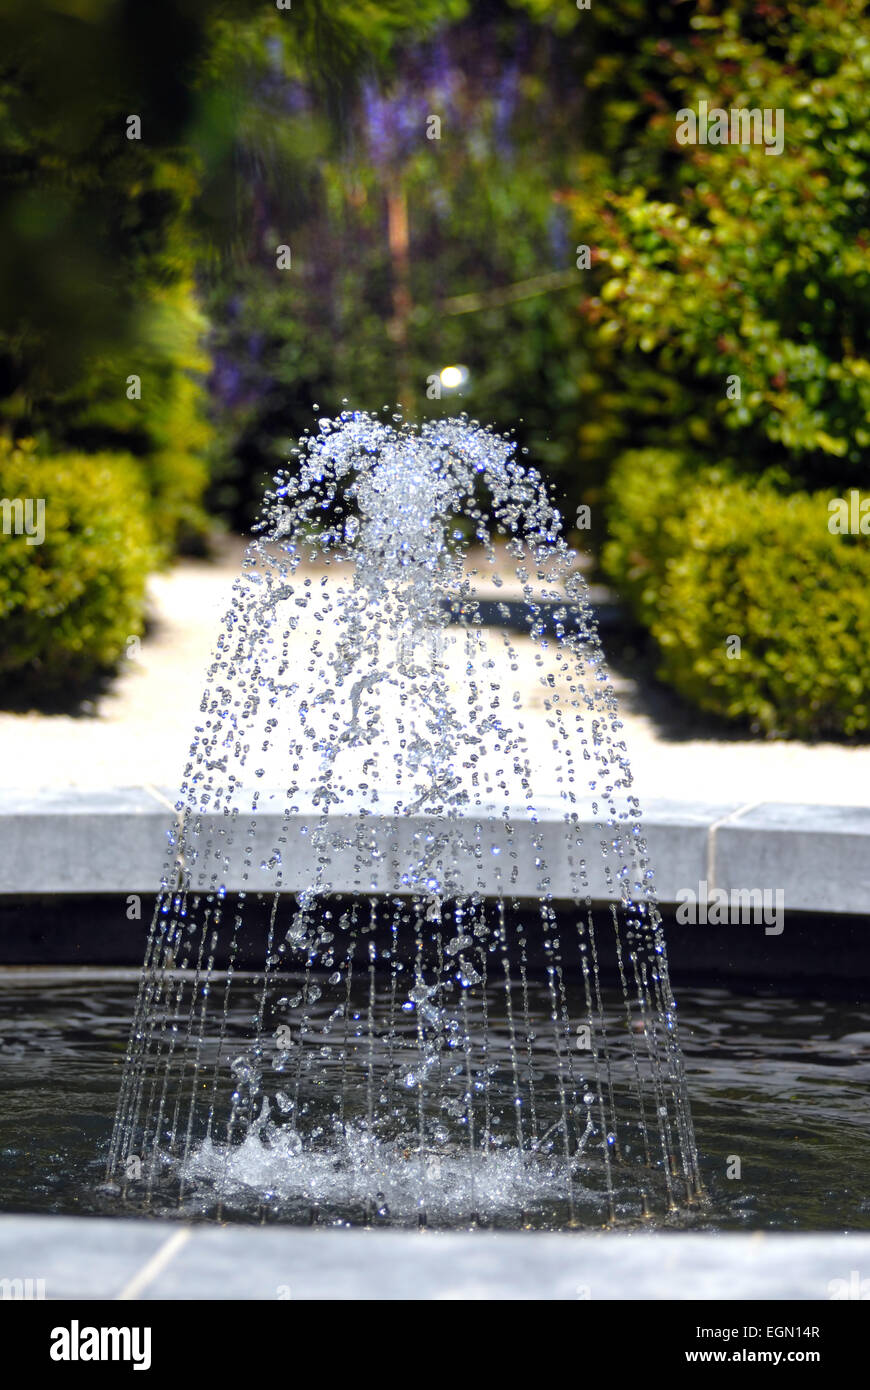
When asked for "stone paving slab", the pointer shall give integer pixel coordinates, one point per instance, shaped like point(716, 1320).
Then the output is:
point(80, 841)
point(118, 1259)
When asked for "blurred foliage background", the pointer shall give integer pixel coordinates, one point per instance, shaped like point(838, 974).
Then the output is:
point(156, 259)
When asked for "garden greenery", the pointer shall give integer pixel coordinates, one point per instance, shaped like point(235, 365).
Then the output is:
point(706, 557)
point(716, 329)
point(70, 604)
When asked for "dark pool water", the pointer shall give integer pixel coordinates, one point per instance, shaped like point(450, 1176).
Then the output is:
point(779, 1090)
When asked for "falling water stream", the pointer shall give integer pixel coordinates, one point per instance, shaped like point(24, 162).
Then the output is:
point(426, 1039)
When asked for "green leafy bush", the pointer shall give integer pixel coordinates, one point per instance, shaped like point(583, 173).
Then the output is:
point(705, 557)
point(728, 294)
point(160, 420)
point(645, 502)
point(69, 604)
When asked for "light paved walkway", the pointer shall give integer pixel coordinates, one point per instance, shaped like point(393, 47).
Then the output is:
point(141, 729)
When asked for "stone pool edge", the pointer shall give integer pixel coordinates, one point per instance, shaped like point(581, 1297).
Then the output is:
point(135, 1260)
point(113, 841)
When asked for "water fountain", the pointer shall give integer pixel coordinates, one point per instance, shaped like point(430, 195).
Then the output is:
point(427, 1037)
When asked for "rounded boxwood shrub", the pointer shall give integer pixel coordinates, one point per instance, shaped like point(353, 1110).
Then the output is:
point(646, 497)
point(71, 597)
point(719, 560)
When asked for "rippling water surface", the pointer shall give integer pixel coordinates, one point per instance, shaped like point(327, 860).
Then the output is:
point(778, 1085)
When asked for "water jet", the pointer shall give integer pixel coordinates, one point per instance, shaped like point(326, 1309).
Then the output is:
point(363, 780)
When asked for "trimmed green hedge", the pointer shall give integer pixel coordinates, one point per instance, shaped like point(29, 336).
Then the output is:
point(702, 557)
point(69, 604)
point(166, 431)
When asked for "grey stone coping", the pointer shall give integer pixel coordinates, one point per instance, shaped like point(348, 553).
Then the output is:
point(132, 1260)
point(79, 841)
point(114, 841)
point(819, 855)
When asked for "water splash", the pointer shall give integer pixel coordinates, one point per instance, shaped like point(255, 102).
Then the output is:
point(366, 791)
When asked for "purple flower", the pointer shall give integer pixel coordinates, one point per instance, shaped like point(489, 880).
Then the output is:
point(441, 80)
point(225, 382)
point(297, 98)
point(394, 123)
point(557, 234)
point(380, 125)
point(506, 97)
